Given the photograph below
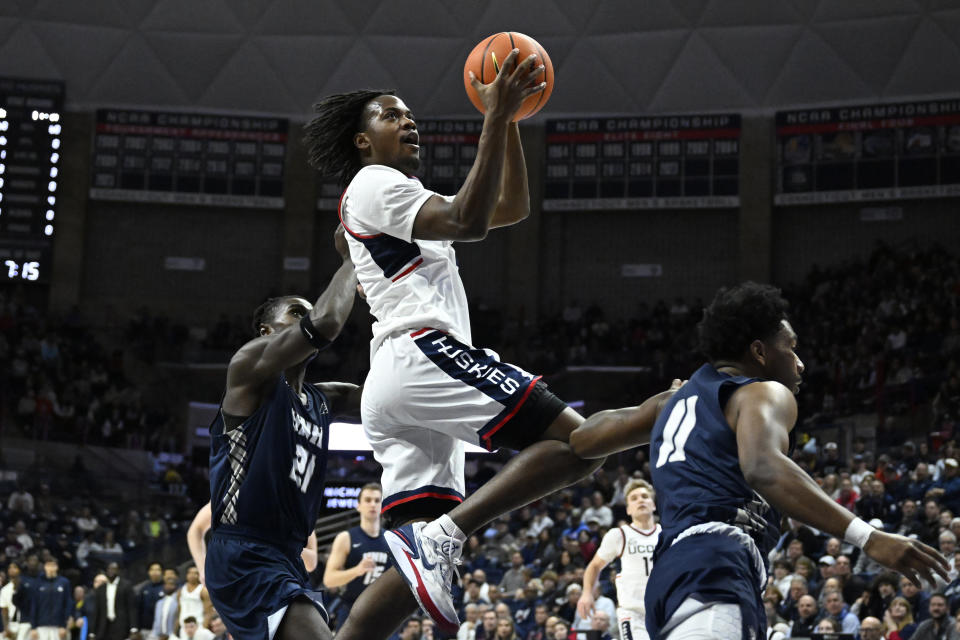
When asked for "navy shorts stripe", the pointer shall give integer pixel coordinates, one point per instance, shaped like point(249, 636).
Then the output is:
point(474, 367)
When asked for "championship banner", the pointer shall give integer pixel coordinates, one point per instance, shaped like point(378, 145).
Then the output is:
point(189, 158)
point(643, 162)
point(868, 152)
point(447, 150)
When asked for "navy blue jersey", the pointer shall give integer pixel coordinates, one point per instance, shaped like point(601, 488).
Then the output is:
point(695, 465)
point(364, 546)
point(266, 475)
point(697, 477)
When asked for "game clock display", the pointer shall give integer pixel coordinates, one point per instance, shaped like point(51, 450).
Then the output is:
point(30, 160)
point(30, 131)
point(23, 264)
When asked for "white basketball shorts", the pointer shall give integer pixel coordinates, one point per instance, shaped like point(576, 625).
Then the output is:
point(425, 396)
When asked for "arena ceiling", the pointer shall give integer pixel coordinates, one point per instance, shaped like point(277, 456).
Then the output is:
point(611, 56)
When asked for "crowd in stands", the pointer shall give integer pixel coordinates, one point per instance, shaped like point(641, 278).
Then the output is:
point(59, 382)
point(59, 555)
point(879, 335)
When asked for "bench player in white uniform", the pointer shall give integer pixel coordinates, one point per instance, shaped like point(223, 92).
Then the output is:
point(634, 544)
point(429, 389)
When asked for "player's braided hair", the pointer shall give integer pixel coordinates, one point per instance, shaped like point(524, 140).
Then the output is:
point(328, 137)
point(738, 316)
point(265, 312)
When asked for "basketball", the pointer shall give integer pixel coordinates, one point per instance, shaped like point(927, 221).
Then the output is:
point(485, 60)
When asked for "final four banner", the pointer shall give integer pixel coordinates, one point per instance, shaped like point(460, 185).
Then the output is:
point(643, 162)
point(869, 152)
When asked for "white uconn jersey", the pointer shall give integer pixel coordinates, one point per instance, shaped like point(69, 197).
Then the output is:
point(635, 550)
point(409, 284)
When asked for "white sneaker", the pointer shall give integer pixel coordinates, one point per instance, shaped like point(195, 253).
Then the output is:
point(428, 564)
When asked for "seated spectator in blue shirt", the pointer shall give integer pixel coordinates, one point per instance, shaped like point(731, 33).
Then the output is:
point(837, 609)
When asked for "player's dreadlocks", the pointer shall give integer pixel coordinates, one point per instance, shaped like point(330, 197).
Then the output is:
point(738, 316)
point(329, 136)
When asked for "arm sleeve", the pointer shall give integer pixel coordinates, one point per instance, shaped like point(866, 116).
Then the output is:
point(383, 200)
point(611, 545)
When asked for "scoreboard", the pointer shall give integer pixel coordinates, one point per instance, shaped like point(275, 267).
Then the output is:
point(643, 162)
point(868, 152)
point(30, 133)
point(189, 158)
point(447, 150)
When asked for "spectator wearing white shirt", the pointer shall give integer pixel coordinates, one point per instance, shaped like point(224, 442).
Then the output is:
point(191, 630)
point(598, 511)
point(86, 522)
point(20, 501)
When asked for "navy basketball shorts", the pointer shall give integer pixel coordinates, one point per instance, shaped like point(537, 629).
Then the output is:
point(696, 573)
point(427, 397)
point(251, 584)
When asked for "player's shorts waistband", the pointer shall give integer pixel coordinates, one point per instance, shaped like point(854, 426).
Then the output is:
point(291, 546)
point(724, 529)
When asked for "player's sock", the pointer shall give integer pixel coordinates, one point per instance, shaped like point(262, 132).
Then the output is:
point(444, 525)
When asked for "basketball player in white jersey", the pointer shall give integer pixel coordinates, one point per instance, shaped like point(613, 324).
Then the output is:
point(193, 599)
point(196, 542)
point(429, 389)
point(634, 544)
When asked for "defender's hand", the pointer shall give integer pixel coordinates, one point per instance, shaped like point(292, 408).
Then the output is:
point(912, 558)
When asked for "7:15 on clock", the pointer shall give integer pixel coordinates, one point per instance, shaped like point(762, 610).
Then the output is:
point(24, 270)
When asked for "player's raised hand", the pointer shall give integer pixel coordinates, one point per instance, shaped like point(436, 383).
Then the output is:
point(513, 84)
point(911, 558)
point(585, 605)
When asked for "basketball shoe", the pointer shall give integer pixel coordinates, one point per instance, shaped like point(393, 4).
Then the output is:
point(428, 564)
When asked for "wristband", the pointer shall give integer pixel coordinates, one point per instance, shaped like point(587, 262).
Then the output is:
point(858, 532)
point(311, 334)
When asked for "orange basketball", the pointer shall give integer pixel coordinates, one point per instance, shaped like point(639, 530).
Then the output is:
point(485, 61)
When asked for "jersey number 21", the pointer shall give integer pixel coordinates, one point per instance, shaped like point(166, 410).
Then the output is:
point(302, 470)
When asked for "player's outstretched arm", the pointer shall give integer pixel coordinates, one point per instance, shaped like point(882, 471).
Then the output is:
point(762, 415)
point(469, 216)
point(615, 430)
point(195, 533)
point(590, 576)
point(265, 357)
